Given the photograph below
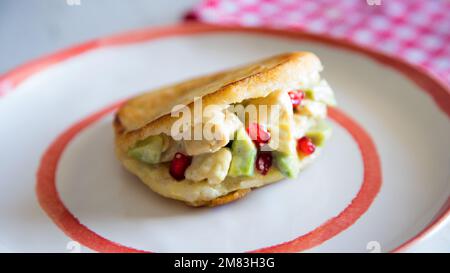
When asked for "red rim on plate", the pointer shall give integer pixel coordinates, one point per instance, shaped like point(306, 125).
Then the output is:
point(51, 203)
point(437, 89)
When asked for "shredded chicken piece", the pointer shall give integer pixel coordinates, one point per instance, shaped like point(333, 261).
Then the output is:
point(212, 167)
point(220, 128)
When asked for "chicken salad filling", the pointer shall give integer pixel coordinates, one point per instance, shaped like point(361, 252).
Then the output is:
point(288, 127)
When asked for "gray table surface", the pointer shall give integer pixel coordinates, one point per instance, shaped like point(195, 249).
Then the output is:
point(32, 28)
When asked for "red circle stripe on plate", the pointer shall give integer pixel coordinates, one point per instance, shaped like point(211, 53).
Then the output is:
point(52, 204)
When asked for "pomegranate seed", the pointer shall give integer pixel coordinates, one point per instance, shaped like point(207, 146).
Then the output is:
point(178, 165)
point(296, 97)
point(258, 134)
point(263, 162)
point(305, 146)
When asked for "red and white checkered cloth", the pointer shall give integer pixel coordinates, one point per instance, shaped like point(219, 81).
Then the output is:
point(417, 30)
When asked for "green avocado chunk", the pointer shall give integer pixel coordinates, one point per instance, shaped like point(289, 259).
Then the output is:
point(244, 154)
point(319, 133)
point(287, 164)
point(309, 94)
point(148, 150)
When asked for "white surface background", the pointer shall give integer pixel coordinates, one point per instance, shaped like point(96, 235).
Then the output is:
point(32, 28)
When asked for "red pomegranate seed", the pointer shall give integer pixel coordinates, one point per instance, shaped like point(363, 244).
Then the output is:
point(263, 162)
point(258, 134)
point(296, 97)
point(305, 146)
point(178, 166)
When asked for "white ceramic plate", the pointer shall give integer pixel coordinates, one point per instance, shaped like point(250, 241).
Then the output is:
point(381, 183)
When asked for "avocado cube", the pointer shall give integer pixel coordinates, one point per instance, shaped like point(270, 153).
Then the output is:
point(309, 94)
point(287, 164)
point(148, 150)
point(243, 152)
point(319, 133)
